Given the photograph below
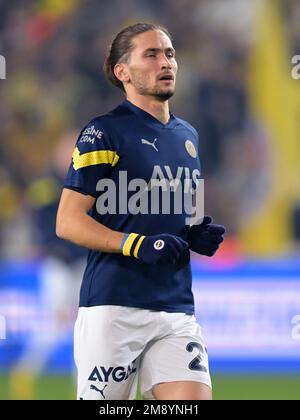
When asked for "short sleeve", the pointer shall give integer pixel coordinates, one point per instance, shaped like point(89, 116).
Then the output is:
point(93, 159)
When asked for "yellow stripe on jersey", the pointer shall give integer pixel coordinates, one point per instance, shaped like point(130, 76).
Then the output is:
point(128, 244)
point(136, 250)
point(94, 158)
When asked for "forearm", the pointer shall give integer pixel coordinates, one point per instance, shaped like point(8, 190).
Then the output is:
point(81, 229)
point(75, 225)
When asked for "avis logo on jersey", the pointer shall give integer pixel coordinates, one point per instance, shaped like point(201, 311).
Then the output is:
point(165, 193)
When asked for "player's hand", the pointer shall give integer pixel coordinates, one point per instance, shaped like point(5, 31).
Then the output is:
point(157, 249)
point(206, 238)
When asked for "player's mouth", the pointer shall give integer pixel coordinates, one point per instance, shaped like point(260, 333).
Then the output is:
point(168, 77)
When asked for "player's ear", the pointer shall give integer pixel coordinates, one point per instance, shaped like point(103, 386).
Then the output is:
point(122, 73)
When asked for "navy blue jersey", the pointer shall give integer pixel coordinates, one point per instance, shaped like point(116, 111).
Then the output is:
point(130, 142)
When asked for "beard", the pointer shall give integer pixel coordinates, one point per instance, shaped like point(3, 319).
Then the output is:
point(160, 94)
point(163, 95)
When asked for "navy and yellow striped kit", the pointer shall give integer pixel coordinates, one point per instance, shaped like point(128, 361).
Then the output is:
point(129, 140)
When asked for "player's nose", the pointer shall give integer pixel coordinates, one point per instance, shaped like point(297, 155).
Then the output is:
point(165, 63)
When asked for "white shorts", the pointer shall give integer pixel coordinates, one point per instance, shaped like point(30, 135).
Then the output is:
point(116, 348)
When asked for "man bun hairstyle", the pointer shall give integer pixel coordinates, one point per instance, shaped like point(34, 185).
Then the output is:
point(121, 47)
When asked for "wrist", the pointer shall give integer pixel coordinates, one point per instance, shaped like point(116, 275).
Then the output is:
point(131, 244)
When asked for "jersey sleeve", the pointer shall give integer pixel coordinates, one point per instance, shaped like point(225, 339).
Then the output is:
point(93, 159)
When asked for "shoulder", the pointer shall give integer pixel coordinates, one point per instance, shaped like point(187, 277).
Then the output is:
point(187, 126)
point(108, 124)
point(100, 129)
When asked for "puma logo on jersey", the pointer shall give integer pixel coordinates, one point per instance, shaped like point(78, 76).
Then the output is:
point(150, 144)
point(94, 388)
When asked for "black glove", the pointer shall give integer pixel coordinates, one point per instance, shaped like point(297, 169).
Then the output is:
point(206, 238)
point(157, 249)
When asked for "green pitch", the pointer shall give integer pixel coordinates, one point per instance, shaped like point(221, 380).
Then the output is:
point(256, 387)
point(225, 388)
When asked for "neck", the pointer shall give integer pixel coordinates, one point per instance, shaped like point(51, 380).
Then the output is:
point(159, 110)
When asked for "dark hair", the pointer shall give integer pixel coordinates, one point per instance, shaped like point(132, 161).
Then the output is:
point(121, 47)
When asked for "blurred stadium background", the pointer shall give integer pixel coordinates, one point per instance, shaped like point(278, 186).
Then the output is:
point(235, 86)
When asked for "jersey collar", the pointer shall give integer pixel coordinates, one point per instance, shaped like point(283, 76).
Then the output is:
point(148, 118)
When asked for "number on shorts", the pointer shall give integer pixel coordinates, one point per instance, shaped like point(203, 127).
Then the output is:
point(195, 364)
